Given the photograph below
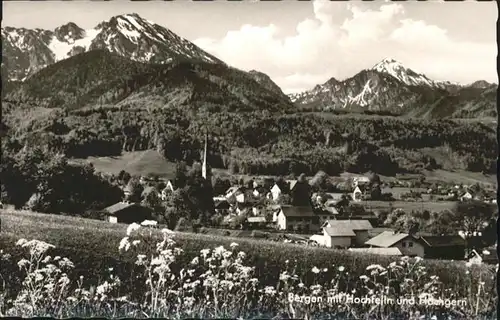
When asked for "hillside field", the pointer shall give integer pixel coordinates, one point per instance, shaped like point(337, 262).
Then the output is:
point(136, 163)
point(151, 162)
point(93, 247)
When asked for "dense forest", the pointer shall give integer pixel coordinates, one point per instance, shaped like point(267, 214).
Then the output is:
point(259, 142)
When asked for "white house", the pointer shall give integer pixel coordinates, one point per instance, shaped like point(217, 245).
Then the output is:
point(291, 217)
point(338, 236)
point(407, 244)
point(361, 228)
point(467, 196)
point(357, 194)
point(168, 189)
point(275, 192)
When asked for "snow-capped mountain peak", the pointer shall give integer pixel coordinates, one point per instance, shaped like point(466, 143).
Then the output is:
point(26, 51)
point(403, 74)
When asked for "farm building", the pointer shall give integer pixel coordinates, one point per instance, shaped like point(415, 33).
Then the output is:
point(127, 212)
point(337, 237)
point(359, 227)
point(293, 217)
point(407, 244)
point(380, 251)
point(444, 247)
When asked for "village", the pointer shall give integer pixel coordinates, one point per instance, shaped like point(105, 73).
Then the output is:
point(347, 215)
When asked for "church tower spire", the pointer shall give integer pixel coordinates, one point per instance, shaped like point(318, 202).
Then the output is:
point(204, 164)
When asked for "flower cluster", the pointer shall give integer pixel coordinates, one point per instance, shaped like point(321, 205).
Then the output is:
point(218, 282)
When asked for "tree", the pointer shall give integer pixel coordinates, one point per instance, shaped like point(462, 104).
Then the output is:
point(180, 175)
point(375, 192)
point(134, 189)
point(407, 224)
point(474, 217)
point(320, 181)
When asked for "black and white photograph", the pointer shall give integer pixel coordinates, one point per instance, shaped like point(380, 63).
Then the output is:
point(249, 159)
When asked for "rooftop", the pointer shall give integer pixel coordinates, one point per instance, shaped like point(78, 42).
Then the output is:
point(379, 251)
point(386, 239)
point(354, 225)
point(339, 231)
point(290, 211)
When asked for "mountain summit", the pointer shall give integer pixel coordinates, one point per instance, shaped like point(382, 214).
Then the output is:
point(26, 51)
point(403, 74)
point(391, 87)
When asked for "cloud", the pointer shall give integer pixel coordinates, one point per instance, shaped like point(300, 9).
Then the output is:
point(343, 38)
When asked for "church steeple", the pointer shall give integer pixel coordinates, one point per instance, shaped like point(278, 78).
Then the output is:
point(204, 163)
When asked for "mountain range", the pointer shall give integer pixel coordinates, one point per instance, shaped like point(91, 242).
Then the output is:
point(73, 67)
point(389, 86)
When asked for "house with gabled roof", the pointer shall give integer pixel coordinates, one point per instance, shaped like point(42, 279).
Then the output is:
point(276, 192)
point(358, 193)
point(338, 236)
point(408, 244)
point(444, 246)
point(360, 228)
point(290, 217)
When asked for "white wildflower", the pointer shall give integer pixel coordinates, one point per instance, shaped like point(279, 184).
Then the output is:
point(364, 278)
point(166, 231)
point(22, 263)
point(315, 270)
point(341, 268)
point(124, 243)
point(418, 259)
point(47, 259)
point(205, 252)
point(219, 251)
point(195, 261)
point(21, 242)
point(37, 247)
point(233, 245)
point(284, 276)
point(147, 223)
point(136, 242)
point(325, 269)
point(242, 255)
point(269, 290)
point(132, 227)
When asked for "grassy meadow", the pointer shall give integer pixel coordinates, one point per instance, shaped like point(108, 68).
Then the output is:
point(93, 243)
point(139, 163)
point(93, 247)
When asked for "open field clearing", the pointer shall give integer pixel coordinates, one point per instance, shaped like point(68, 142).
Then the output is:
point(408, 205)
point(136, 163)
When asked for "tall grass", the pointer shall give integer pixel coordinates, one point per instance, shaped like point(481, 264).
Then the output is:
point(223, 281)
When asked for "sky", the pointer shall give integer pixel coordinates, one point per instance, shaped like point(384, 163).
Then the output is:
point(300, 44)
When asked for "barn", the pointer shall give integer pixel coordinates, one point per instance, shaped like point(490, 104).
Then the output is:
point(127, 212)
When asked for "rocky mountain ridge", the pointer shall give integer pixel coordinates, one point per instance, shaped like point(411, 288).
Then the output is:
point(390, 86)
point(25, 51)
